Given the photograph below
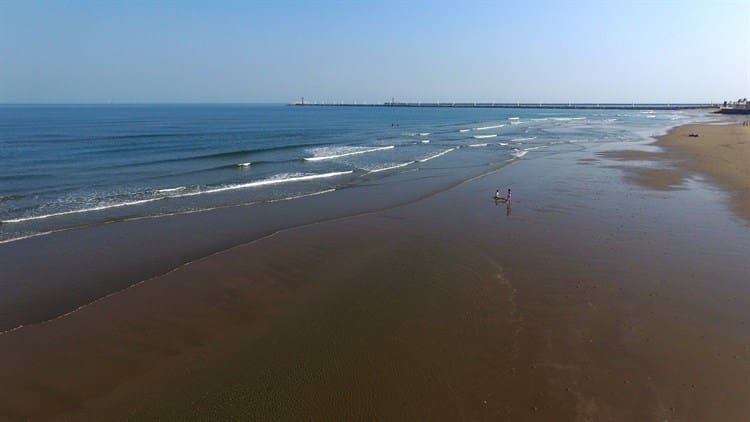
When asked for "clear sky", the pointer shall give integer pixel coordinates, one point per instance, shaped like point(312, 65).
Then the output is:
point(276, 51)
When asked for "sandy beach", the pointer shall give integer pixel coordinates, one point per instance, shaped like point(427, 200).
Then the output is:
point(614, 286)
point(719, 153)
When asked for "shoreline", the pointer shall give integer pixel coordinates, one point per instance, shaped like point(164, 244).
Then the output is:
point(131, 255)
point(576, 302)
point(719, 153)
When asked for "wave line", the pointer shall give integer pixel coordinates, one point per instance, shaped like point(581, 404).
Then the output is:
point(391, 167)
point(264, 182)
point(424, 160)
point(489, 127)
point(99, 208)
point(330, 157)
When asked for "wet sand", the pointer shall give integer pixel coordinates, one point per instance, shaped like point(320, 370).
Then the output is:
point(588, 299)
point(720, 153)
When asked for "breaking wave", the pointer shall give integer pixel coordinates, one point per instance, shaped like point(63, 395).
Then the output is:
point(489, 127)
point(347, 151)
point(424, 160)
point(279, 178)
point(393, 167)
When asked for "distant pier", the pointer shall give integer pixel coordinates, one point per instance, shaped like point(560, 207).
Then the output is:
point(561, 106)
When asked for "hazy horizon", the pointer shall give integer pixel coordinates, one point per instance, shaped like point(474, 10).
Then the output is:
point(549, 52)
point(313, 102)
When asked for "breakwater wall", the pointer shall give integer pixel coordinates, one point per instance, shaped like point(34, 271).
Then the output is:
point(580, 106)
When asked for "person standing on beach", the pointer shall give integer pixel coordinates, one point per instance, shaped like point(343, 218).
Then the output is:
point(507, 204)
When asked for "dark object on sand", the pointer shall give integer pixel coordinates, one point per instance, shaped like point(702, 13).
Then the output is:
point(693, 135)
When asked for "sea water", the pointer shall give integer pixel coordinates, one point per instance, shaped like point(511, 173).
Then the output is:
point(69, 166)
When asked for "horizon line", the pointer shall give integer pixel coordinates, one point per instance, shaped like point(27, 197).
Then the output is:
point(352, 102)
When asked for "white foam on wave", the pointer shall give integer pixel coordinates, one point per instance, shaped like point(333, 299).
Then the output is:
point(181, 212)
point(169, 190)
point(275, 180)
point(489, 127)
point(426, 141)
point(513, 118)
point(395, 166)
point(464, 130)
point(503, 144)
point(485, 136)
point(566, 119)
point(478, 145)
point(348, 153)
point(424, 134)
point(436, 155)
point(282, 178)
point(83, 210)
point(523, 139)
point(519, 153)
point(243, 165)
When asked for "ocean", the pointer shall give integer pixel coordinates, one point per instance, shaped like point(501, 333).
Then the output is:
point(68, 166)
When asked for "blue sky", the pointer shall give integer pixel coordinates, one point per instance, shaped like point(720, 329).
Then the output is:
point(223, 51)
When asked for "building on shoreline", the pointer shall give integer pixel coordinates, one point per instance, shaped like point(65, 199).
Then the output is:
point(740, 106)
